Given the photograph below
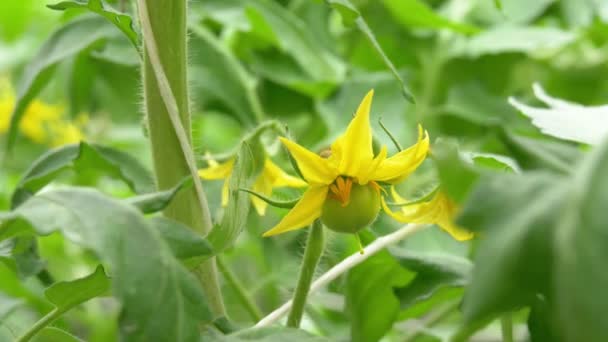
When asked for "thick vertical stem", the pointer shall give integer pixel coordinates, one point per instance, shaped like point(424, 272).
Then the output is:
point(312, 254)
point(167, 25)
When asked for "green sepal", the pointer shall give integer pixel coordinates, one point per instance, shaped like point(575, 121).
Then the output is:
point(273, 202)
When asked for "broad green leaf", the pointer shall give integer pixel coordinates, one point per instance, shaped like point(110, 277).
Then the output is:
point(434, 271)
point(67, 41)
point(160, 299)
point(220, 75)
point(267, 334)
point(370, 300)
point(82, 158)
point(185, 244)
point(456, 175)
point(67, 294)
point(566, 120)
point(290, 35)
point(52, 334)
point(537, 154)
point(513, 260)
point(508, 39)
point(156, 201)
point(417, 14)
point(523, 11)
point(543, 235)
point(122, 21)
point(581, 245)
point(249, 162)
point(540, 323)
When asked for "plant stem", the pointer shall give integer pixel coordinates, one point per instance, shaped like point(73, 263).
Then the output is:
point(240, 290)
point(41, 324)
point(312, 254)
point(168, 117)
point(506, 326)
point(345, 265)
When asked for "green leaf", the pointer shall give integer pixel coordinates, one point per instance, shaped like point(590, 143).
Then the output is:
point(565, 120)
point(543, 235)
point(507, 39)
point(347, 10)
point(434, 271)
point(67, 294)
point(581, 244)
point(52, 334)
point(160, 299)
point(290, 35)
point(369, 289)
point(221, 75)
point(417, 14)
point(67, 41)
point(122, 21)
point(248, 164)
point(266, 334)
point(82, 158)
point(538, 154)
point(156, 201)
point(350, 14)
point(457, 176)
point(185, 244)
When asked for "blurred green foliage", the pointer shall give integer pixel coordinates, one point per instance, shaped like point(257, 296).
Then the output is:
point(535, 202)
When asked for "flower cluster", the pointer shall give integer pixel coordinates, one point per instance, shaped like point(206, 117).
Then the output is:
point(344, 184)
point(42, 123)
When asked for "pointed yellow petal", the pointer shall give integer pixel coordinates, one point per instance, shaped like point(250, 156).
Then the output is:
point(456, 232)
point(278, 177)
point(402, 164)
point(370, 169)
point(396, 197)
point(217, 171)
point(262, 185)
point(304, 213)
point(315, 169)
point(440, 211)
point(353, 150)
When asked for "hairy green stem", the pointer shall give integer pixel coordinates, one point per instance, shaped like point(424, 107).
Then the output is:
point(312, 254)
point(506, 326)
point(41, 324)
point(239, 289)
point(165, 84)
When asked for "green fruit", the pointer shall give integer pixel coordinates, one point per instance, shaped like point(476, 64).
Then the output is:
point(361, 211)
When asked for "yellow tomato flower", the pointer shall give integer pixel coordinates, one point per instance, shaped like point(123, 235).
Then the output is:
point(42, 123)
point(343, 189)
point(271, 177)
point(439, 210)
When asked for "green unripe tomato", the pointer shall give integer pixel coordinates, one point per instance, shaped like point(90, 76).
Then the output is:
point(361, 211)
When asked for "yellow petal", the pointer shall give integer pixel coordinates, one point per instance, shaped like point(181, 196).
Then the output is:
point(277, 177)
point(262, 185)
point(440, 211)
point(402, 164)
point(304, 213)
point(217, 171)
point(396, 197)
point(353, 150)
point(315, 169)
point(370, 168)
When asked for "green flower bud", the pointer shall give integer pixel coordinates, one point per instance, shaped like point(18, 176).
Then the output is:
point(353, 212)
